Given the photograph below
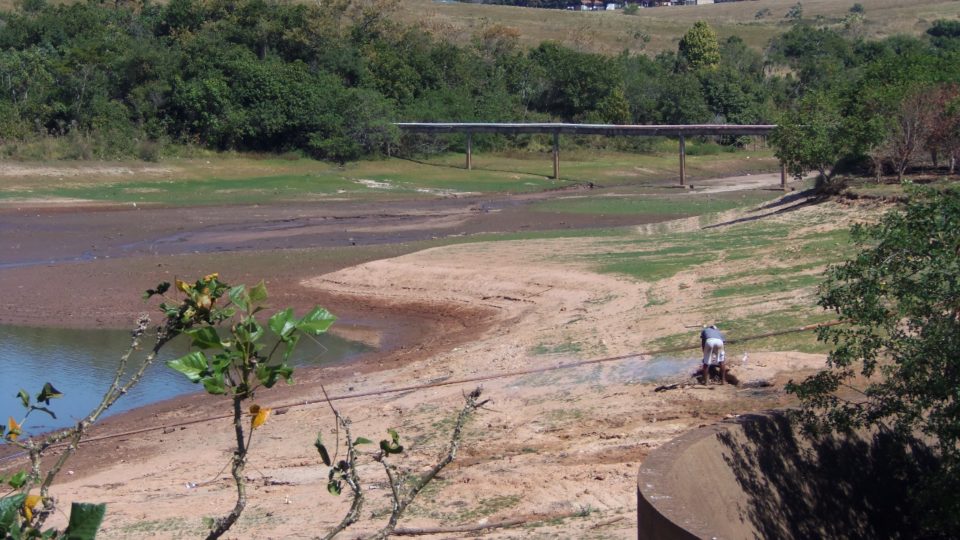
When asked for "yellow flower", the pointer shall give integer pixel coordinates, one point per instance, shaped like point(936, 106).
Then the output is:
point(13, 429)
point(260, 415)
point(29, 504)
point(211, 277)
point(183, 285)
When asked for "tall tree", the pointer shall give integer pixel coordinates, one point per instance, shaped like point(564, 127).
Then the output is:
point(699, 48)
point(810, 137)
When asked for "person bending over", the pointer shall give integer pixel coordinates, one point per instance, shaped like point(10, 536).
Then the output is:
point(711, 342)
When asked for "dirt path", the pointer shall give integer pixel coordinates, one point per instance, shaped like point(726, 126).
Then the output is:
point(556, 442)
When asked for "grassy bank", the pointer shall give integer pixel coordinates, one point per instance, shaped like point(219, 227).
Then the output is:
point(239, 180)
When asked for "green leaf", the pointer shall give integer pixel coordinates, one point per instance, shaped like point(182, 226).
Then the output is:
point(48, 393)
point(393, 446)
point(324, 455)
point(335, 487)
point(193, 365)
point(215, 384)
point(17, 480)
point(9, 508)
point(24, 397)
point(258, 293)
point(316, 322)
point(238, 295)
point(281, 323)
point(221, 362)
point(85, 520)
point(362, 440)
point(248, 331)
point(161, 288)
point(289, 345)
point(205, 337)
point(44, 409)
point(269, 375)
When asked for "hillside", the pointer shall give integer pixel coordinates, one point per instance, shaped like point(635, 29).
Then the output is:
point(612, 32)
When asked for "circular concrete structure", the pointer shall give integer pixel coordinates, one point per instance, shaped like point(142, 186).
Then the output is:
point(760, 477)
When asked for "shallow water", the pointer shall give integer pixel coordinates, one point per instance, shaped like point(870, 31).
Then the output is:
point(81, 364)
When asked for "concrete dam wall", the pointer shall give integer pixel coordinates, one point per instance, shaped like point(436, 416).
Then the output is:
point(759, 477)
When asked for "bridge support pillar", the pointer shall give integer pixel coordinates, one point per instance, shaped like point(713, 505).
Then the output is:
point(469, 151)
point(556, 155)
point(683, 161)
point(783, 176)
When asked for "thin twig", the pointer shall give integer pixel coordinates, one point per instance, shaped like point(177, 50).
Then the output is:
point(352, 478)
point(76, 433)
point(400, 503)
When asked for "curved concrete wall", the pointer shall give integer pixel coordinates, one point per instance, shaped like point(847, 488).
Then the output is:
point(758, 477)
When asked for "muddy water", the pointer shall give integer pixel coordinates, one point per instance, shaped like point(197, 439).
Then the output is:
point(82, 363)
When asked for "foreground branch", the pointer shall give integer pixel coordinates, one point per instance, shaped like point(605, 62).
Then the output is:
point(352, 478)
point(76, 433)
point(402, 500)
point(238, 464)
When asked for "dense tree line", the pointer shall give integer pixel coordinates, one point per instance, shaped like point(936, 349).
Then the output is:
point(878, 106)
point(264, 76)
point(328, 81)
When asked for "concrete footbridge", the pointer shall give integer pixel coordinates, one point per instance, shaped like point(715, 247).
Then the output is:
point(610, 130)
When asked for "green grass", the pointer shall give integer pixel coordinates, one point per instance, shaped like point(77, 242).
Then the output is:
point(231, 180)
point(682, 204)
point(663, 256)
point(647, 268)
point(777, 284)
point(560, 348)
point(487, 507)
point(737, 329)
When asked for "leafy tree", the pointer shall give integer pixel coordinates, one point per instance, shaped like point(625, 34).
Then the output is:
point(819, 56)
point(809, 137)
point(682, 100)
point(699, 48)
point(576, 83)
point(239, 364)
point(945, 34)
point(643, 86)
point(896, 355)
